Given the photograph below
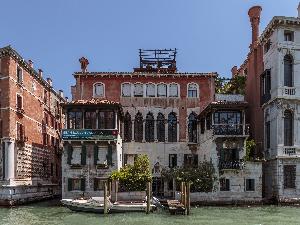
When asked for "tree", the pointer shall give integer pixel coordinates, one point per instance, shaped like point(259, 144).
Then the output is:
point(134, 177)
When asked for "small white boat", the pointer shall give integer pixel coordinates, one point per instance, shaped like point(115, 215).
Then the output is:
point(94, 204)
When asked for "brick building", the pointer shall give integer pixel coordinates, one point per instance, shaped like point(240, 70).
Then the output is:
point(30, 123)
point(160, 107)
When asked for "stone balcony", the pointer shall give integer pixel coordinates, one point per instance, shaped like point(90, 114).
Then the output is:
point(289, 151)
point(230, 129)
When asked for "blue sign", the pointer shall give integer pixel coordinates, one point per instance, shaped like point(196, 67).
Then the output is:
point(73, 134)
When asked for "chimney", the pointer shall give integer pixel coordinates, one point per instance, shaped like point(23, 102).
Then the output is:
point(254, 15)
point(30, 62)
point(298, 10)
point(40, 73)
point(49, 80)
point(234, 71)
point(61, 93)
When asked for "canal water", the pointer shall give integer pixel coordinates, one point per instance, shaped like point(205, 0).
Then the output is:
point(50, 213)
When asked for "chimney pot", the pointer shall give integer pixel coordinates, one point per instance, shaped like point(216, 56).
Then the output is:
point(40, 73)
point(30, 62)
point(49, 80)
point(61, 93)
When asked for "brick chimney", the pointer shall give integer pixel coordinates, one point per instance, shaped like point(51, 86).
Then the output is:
point(61, 93)
point(40, 73)
point(254, 15)
point(30, 62)
point(234, 71)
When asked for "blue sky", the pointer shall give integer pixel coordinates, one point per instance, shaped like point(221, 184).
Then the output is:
point(210, 35)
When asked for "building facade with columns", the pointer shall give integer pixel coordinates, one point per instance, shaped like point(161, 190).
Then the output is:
point(160, 107)
point(30, 123)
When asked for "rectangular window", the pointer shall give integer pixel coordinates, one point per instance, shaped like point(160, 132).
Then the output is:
point(76, 184)
point(126, 90)
point(268, 134)
point(45, 96)
point(99, 184)
point(20, 132)
point(289, 175)
point(75, 120)
point(172, 160)
point(76, 155)
point(19, 75)
point(288, 35)
point(138, 90)
point(98, 90)
point(19, 102)
point(224, 184)
point(190, 160)
point(161, 90)
point(106, 120)
point(90, 120)
point(250, 185)
point(267, 46)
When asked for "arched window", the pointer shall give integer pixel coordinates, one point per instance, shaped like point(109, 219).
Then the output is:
point(138, 90)
point(149, 128)
point(127, 127)
point(288, 71)
point(150, 90)
point(138, 127)
point(288, 128)
point(173, 90)
point(160, 126)
point(161, 90)
point(126, 90)
point(98, 90)
point(192, 90)
point(192, 128)
point(172, 127)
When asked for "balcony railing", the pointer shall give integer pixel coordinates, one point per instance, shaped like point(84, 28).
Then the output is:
point(233, 165)
point(230, 129)
point(288, 91)
point(289, 151)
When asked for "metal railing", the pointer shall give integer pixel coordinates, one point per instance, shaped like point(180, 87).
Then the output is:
point(289, 151)
point(288, 91)
point(230, 129)
point(230, 165)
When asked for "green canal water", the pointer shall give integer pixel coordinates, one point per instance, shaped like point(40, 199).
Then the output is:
point(50, 213)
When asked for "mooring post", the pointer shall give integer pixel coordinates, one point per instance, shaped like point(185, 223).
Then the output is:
point(109, 188)
point(148, 197)
point(184, 195)
point(188, 198)
point(105, 198)
point(182, 192)
point(116, 190)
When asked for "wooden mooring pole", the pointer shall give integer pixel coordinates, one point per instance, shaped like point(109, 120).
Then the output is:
point(116, 190)
point(188, 198)
point(148, 197)
point(105, 198)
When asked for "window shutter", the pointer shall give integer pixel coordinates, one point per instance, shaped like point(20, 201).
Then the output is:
point(95, 184)
point(96, 158)
point(70, 184)
point(83, 155)
point(70, 152)
point(82, 184)
point(109, 155)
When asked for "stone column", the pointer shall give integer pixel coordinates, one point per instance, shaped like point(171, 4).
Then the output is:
point(166, 130)
point(132, 130)
point(9, 160)
point(144, 131)
point(155, 130)
point(116, 120)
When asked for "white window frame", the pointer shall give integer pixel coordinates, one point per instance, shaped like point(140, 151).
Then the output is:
point(178, 90)
point(122, 89)
point(138, 83)
point(94, 90)
point(157, 94)
point(197, 86)
point(147, 89)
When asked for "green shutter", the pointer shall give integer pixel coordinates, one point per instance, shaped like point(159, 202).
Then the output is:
point(96, 158)
point(70, 152)
point(109, 155)
point(95, 184)
point(83, 155)
point(82, 184)
point(70, 184)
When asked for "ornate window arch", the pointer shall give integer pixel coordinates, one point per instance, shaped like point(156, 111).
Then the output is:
point(193, 90)
point(127, 127)
point(172, 127)
point(160, 126)
point(150, 90)
point(98, 89)
point(149, 128)
point(138, 127)
point(288, 128)
point(126, 89)
point(192, 127)
point(173, 90)
point(288, 70)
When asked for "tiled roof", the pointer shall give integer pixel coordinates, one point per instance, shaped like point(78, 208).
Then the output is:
point(93, 101)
